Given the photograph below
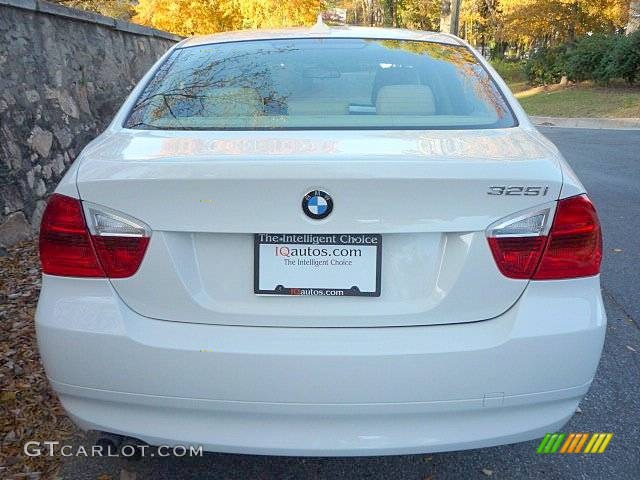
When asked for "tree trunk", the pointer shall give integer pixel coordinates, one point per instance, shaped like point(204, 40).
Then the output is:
point(634, 17)
point(389, 11)
point(575, 20)
point(449, 16)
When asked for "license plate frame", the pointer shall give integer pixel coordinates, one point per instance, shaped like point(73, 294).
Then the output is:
point(363, 242)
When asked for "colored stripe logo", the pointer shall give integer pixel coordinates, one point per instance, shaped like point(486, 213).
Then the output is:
point(574, 443)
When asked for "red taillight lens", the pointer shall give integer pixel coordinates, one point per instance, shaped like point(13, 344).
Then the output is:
point(68, 249)
point(574, 248)
point(65, 245)
point(517, 257)
point(120, 256)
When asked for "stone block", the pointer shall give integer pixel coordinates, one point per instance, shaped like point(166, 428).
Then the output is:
point(14, 229)
point(26, 4)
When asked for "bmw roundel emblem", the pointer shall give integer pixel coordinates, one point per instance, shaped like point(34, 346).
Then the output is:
point(317, 204)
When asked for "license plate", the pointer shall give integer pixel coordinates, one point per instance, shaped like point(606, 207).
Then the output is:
point(317, 264)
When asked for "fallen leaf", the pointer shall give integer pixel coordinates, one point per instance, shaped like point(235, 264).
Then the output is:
point(126, 475)
point(7, 396)
point(487, 472)
point(21, 373)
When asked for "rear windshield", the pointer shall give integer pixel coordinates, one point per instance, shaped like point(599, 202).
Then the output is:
point(321, 84)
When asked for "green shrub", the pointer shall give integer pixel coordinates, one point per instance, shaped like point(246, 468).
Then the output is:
point(626, 57)
point(592, 58)
point(511, 71)
point(546, 65)
point(599, 57)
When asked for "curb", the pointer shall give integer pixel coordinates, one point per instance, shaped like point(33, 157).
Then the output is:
point(595, 123)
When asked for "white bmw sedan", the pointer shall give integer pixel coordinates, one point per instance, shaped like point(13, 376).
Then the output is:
point(336, 241)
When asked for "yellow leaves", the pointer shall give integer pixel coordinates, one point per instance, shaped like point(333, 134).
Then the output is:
point(419, 14)
point(186, 17)
point(192, 17)
point(515, 21)
point(557, 20)
point(7, 397)
point(551, 22)
point(111, 8)
point(278, 13)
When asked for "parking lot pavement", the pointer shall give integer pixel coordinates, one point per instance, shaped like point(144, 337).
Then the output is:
point(608, 162)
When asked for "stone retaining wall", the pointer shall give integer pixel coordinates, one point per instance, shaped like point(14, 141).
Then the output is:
point(63, 74)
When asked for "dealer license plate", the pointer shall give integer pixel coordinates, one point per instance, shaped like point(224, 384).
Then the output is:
point(318, 264)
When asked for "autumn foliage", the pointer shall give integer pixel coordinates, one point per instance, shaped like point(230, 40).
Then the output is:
point(495, 25)
point(193, 17)
point(558, 20)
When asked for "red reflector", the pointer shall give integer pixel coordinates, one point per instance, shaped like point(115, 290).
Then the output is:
point(517, 257)
point(65, 246)
point(120, 256)
point(574, 248)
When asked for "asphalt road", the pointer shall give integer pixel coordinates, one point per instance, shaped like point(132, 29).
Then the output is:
point(608, 163)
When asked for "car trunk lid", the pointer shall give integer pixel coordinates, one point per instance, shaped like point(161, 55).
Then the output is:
point(205, 195)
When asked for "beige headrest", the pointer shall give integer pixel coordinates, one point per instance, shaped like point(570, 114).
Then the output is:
point(232, 102)
point(405, 100)
point(317, 107)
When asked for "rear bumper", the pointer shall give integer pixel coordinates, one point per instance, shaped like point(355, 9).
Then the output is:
point(320, 429)
point(321, 391)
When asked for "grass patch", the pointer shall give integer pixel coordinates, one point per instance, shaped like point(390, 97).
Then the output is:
point(580, 101)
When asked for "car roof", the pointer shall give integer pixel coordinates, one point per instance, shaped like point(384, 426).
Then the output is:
point(321, 31)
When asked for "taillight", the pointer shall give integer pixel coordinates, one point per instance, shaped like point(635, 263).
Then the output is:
point(108, 244)
point(120, 240)
point(517, 257)
point(518, 241)
point(65, 245)
point(574, 248)
point(530, 246)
